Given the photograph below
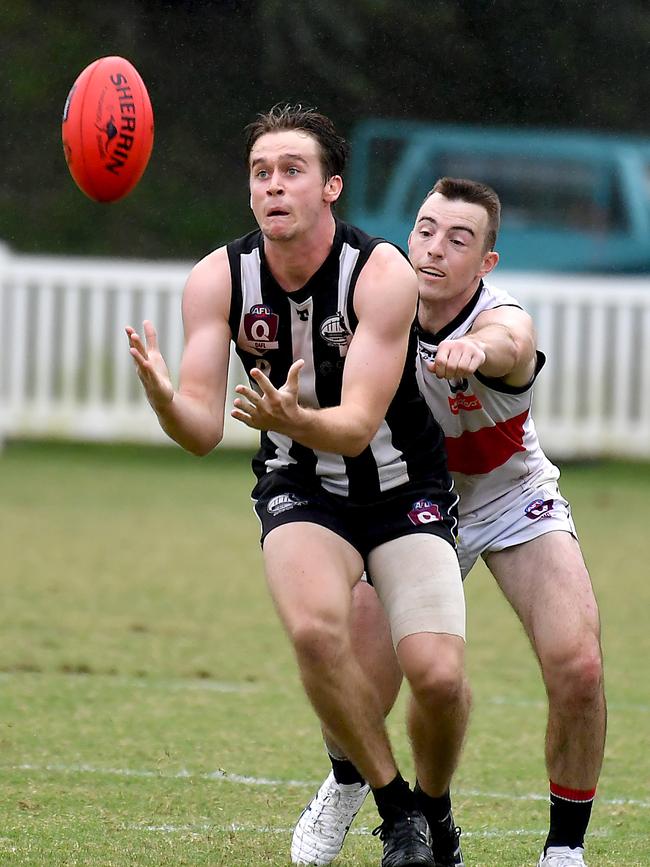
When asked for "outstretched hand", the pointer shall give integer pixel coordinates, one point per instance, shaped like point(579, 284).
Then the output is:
point(150, 365)
point(271, 408)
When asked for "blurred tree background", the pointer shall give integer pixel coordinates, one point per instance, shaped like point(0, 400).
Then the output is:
point(211, 66)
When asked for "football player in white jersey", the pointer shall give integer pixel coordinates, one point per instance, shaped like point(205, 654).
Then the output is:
point(477, 364)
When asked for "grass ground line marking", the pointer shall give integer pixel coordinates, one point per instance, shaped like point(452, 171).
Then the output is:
point(363, 831)
point(225, 776)
point(208, 685)
point(173, 685)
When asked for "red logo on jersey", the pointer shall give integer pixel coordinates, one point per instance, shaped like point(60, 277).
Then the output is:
point(261, 327)
point(463, 401)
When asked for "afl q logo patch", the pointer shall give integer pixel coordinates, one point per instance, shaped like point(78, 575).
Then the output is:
point(334, 331)
point(424, 512)
point(538, 509)
point(261, 327)
point(283, 503)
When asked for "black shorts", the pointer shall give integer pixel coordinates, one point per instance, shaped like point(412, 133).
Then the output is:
point(416, 507)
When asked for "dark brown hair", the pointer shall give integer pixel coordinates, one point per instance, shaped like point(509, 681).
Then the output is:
point(333, 148)
point(476, 194)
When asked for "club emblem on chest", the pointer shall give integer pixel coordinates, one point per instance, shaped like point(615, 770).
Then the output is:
point(261, 327)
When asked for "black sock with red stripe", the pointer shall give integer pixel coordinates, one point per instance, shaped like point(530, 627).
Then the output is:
point(570, 814)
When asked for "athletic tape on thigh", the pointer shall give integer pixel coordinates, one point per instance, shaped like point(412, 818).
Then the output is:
point(417, 578)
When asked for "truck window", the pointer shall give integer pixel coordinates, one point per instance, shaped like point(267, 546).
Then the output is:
point(539, 192)
point(383, 156)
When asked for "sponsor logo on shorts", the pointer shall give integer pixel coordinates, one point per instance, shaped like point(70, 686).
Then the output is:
point(283, 503)
point(424, 512)
point(261, 327)
point(539, 509)
point(466, 402)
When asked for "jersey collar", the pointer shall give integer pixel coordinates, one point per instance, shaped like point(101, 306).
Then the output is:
point(306, 291)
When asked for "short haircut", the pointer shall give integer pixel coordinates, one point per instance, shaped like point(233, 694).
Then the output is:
point(475, 193)
point(333, 148)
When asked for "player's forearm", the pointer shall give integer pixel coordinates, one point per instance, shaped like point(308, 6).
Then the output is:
point(502, 349)
point(190, 423)
point(341, 430)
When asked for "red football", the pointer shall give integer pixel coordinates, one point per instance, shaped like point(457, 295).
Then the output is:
point(107, 129)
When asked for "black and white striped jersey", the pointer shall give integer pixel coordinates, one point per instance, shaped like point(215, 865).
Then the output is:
point(272, 328)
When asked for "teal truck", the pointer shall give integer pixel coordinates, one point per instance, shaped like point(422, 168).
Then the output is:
point(571, 201)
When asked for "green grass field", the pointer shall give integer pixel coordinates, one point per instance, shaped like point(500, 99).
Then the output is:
point(151, 710)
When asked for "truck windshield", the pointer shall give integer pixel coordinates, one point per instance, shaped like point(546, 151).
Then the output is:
point(548, 192)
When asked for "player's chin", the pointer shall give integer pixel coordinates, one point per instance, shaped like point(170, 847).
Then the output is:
point(277, 232)
point(428, 290)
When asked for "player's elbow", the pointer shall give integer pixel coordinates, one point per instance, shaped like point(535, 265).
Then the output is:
point(354, 449)
point(523, 349)
point(202, 445)
point(359, 439)
point(200, 450)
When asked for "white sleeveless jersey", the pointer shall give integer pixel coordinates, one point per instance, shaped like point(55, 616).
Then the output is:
point(492, 447)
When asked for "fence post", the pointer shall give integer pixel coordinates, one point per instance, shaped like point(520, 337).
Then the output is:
point(5, 258)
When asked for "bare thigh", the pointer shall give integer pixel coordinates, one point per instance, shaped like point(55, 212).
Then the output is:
point(548, 585)
point(310, 572)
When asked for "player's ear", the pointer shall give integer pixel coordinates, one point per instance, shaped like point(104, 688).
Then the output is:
point(490, 261)
point(333, 188)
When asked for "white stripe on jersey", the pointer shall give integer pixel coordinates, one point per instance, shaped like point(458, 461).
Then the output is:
point(303, 347)
point(251, 287)
point(392, 469)
point(348, 260)
point(282, 457)
point(327, 464)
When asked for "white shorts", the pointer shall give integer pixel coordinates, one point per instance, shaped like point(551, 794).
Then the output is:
point(534, 513)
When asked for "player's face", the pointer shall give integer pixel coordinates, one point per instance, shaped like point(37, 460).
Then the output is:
point(288, 193)
point(447, 247)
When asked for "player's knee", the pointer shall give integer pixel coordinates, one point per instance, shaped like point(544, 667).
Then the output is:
point(574, 673)
point(438, 681)
point(317, 640)
point(441, 688)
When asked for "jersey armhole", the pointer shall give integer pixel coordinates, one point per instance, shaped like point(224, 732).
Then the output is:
point(236, 300)
point(496, 384)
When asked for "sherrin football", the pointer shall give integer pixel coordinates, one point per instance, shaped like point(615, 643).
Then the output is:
point(107, 129)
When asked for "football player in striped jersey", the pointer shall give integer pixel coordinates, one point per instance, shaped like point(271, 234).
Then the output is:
point(351, 470)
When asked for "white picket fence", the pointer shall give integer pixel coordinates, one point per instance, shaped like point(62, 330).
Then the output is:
point(65, 370)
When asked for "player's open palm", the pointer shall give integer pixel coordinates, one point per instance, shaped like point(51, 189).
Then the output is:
point(270, 408)
point(150, 365)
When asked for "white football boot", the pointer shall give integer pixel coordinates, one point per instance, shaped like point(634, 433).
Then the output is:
point(323, 824)
point(562, 856)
